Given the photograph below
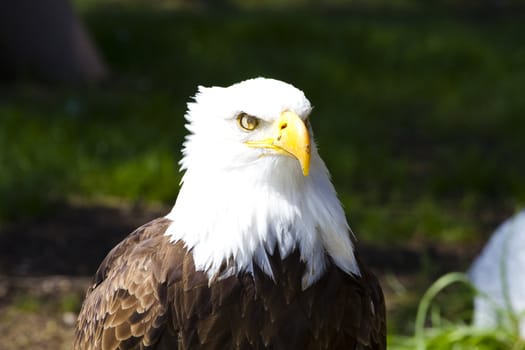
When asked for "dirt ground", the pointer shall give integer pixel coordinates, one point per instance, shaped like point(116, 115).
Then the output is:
point(46, 265)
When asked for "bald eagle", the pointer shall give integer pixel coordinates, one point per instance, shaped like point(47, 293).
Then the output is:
point(256, 252)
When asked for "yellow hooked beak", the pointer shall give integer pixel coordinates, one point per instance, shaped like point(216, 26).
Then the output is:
point(289, 137)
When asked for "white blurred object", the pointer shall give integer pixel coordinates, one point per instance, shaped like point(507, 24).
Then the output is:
point(499, 273)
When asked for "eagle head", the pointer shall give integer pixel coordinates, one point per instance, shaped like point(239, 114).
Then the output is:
point(254, 182)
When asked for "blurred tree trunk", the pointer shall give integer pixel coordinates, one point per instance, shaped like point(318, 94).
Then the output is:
point(44, 39)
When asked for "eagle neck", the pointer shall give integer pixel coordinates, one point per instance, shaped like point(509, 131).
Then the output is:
point(239, 217)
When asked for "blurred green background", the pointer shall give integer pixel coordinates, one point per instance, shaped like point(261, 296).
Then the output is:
point(418, 114)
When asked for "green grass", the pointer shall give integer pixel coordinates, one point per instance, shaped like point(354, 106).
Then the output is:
point(417, 115)
point(434, 332)
point(27, 303)
point(460, 336)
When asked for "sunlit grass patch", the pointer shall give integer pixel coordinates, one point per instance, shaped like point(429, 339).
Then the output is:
point(434, 332)
point(459, 337)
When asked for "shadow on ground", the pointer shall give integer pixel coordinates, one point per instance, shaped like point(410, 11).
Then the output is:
point(74, 239)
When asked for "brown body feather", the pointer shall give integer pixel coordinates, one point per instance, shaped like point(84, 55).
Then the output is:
point(147, 295)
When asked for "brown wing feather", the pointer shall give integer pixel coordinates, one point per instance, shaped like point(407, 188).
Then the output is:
point(127, 306)
point(147, 295)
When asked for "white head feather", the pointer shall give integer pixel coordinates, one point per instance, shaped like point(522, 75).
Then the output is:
point(238, 203)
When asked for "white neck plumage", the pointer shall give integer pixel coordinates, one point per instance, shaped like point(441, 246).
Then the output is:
point(243, 214)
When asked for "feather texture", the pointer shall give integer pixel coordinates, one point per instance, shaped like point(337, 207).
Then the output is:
point(238, 202)
point(129, 307)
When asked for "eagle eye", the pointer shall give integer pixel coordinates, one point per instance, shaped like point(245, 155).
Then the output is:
point(247, 122)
